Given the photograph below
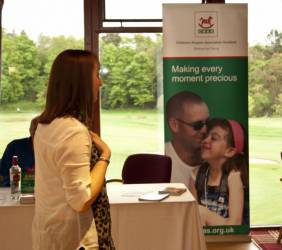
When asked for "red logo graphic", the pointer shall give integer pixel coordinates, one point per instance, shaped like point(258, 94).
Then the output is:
point(206, 23)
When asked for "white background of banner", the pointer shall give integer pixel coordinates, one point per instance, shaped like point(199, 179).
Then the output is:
point(180, 30)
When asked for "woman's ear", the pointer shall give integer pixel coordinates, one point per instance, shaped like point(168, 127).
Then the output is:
point(230, 152)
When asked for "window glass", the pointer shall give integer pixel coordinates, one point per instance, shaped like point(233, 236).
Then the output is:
point(135, 9)
point(34, 32)
point(265, 116)
point(265, 91)
point(131, 96)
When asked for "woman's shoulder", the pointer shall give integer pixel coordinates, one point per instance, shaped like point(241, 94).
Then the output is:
point(61, 129)
point(67, 124)
point(71, 121)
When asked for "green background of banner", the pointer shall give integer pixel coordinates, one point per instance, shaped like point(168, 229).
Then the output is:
point(186, 49)
point(226, 230)
point(225, 99)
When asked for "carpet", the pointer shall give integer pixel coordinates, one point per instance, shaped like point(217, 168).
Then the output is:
point(266, 238)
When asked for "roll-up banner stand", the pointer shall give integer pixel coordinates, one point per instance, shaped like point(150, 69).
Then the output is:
point(205, 51)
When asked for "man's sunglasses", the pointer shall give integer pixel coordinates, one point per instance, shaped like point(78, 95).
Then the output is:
point(198, 125)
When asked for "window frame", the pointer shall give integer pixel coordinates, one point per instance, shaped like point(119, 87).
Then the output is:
point(94, 17)
point(1, 8)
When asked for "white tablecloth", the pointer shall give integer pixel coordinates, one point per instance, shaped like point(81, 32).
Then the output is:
point(15, 223)
point(172, 224)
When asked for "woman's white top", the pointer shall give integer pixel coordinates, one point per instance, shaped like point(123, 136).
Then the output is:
point(62, 185)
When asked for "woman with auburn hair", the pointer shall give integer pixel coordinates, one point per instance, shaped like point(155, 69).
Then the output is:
point(71, 160)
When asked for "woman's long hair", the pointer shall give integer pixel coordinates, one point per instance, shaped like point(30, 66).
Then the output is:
point(70, 88)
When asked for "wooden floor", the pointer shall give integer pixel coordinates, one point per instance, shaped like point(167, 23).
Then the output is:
point(231, 246)
point(230, 242)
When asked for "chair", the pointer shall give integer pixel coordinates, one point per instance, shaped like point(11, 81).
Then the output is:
point(145, 168)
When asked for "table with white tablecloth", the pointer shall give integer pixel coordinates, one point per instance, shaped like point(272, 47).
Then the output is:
point(173, 223)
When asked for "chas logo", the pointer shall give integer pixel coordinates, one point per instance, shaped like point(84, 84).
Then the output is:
point(206, 24)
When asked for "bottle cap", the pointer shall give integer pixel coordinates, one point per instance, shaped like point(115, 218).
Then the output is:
point(15, 160)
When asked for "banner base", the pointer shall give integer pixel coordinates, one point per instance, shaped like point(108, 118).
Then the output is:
point(228, 238)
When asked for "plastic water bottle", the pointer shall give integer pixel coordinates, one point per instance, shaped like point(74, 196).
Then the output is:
point(15, 178)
